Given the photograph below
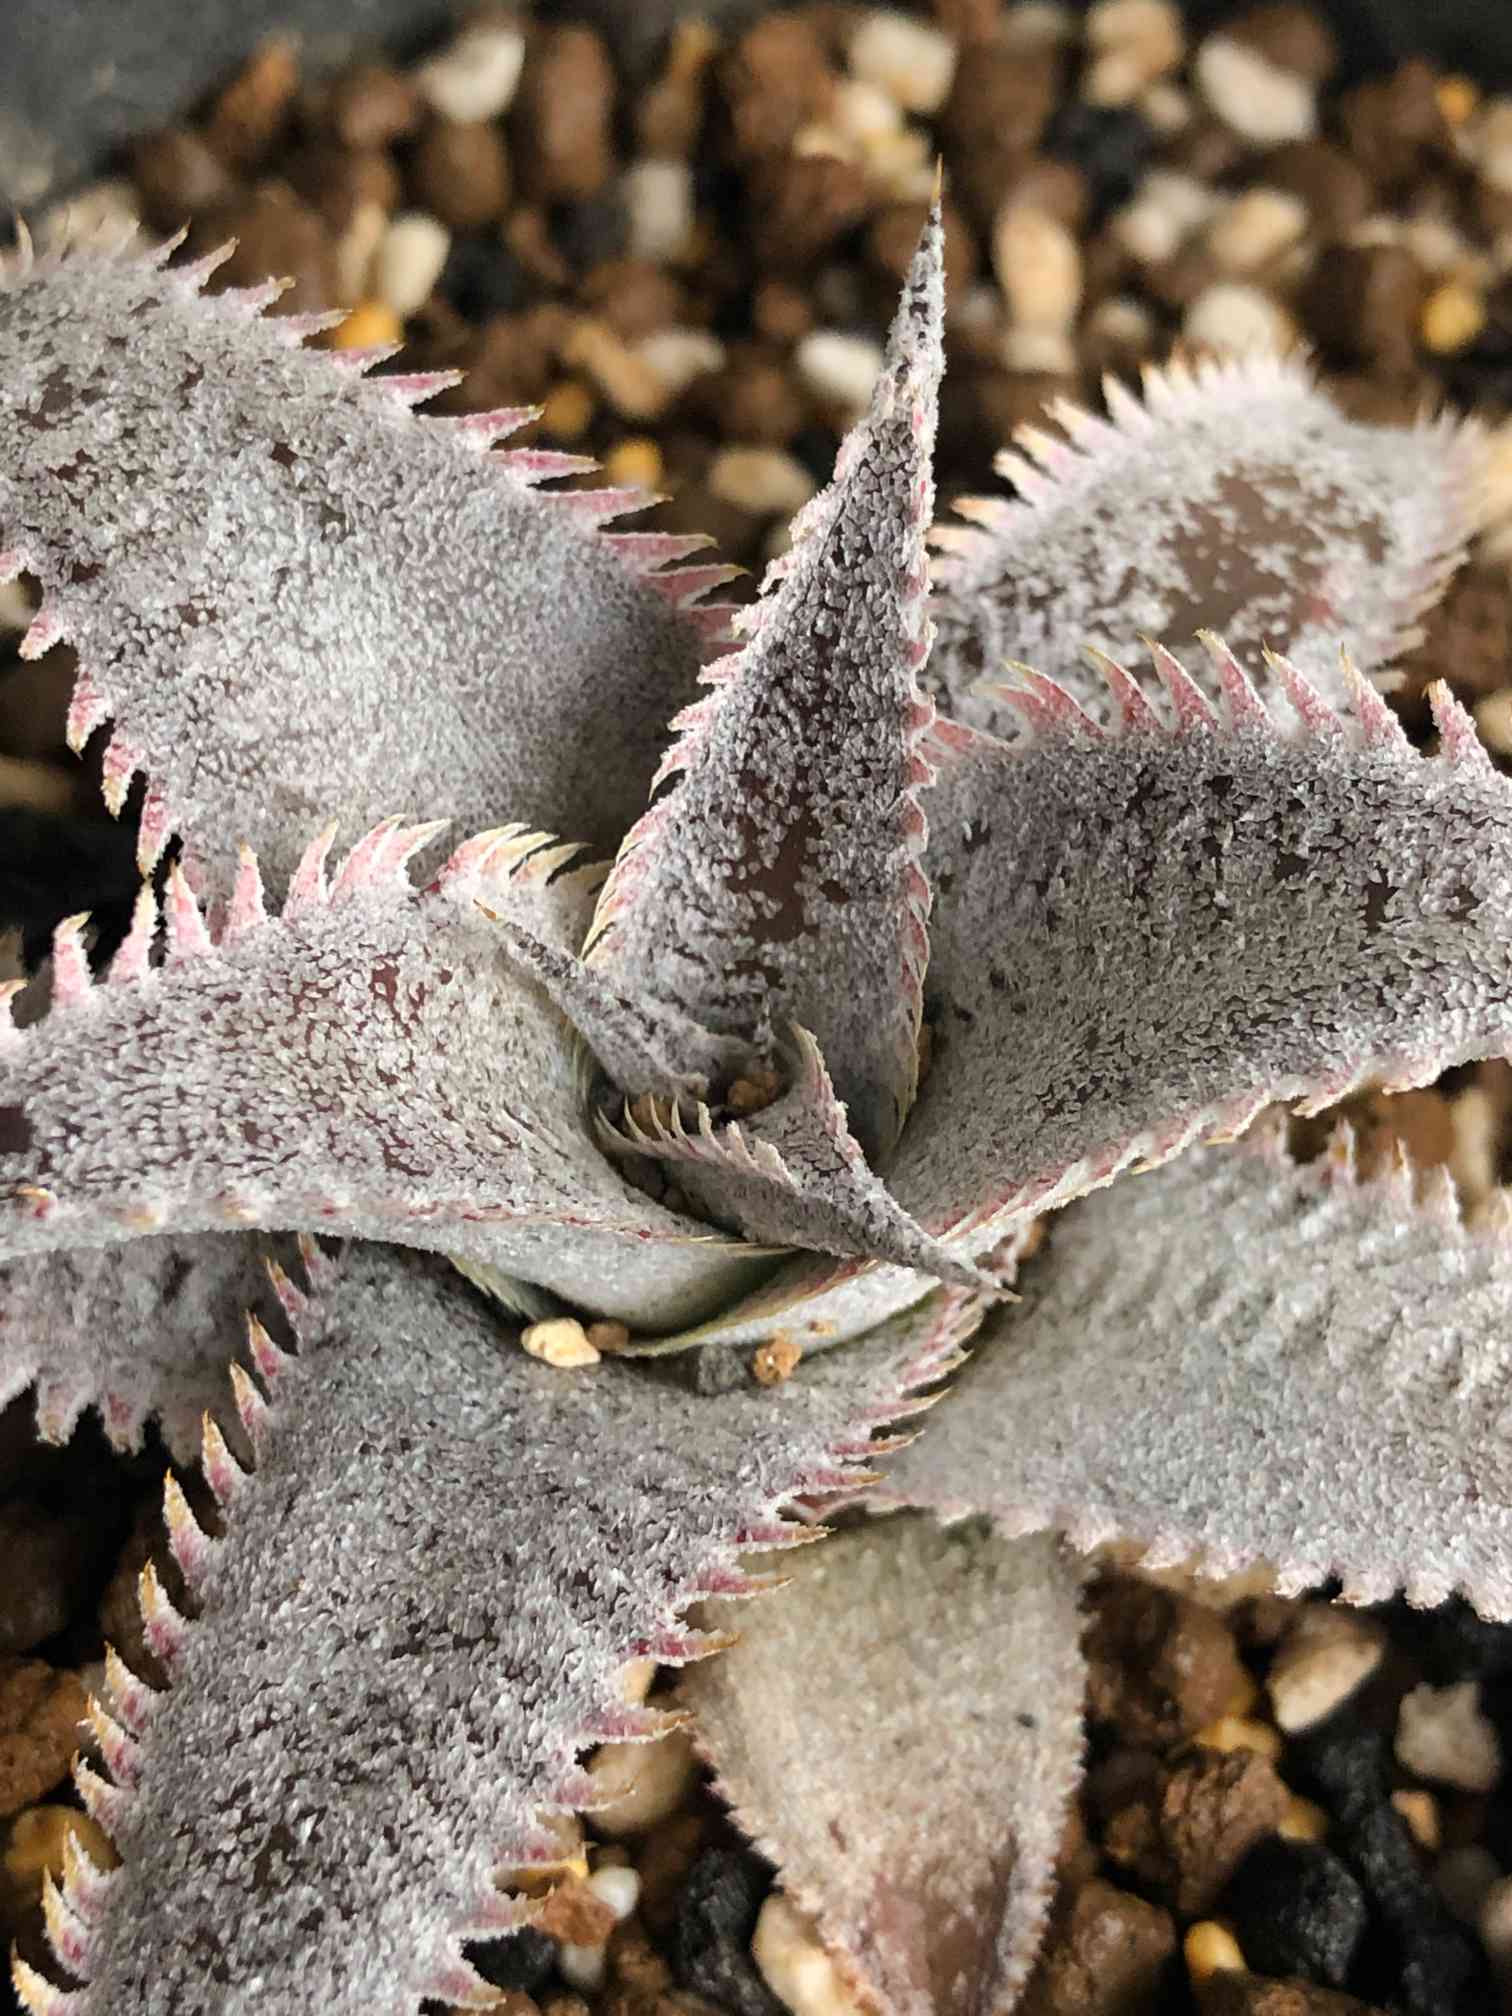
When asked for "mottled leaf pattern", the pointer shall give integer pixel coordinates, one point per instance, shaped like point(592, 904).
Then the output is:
point(778, 879)
point(902, 1737)
point(1237, 498)
point(414, 1621)
point(1242, 1360)
point(295, 599)
point(1144, 936)
point(367, 1062)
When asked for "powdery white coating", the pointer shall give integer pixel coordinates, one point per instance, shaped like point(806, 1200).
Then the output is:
point(367, 1063)
point(778, 879)
point(140, 1331)
point(297, 600)
point(1142, 937)
point(1237, 499)
point(1243, 1360)
point(902, 1739)
point(792, 1175)
point(415, 1619)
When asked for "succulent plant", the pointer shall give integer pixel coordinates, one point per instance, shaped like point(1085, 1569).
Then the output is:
point(886, 966)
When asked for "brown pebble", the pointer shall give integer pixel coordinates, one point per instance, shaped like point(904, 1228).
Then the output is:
point(775, 81)
point(249, 115)
point(178, 176)
point(120, 1612)
point(752, 399)
point(563, 117)
point(40, 1712)
point(1059, 188)
point(1106, 1956)
point(1362, 302)
point(565, 2005)
point(990, 125)
point(514, 359)
point(575, 1914)
point(669, 115)
point(336, 181)
point(1293, 36)
point(47, 1558)
point(634, 1962)
point(1229, 1994)
point(1468, 635)
point(635, 297)
point(1334, 187)
point(1183, 1841)
point(781, 312)
point(276, 234)
point(1394, 126)
point(1160, 1666)
point(894, 234)
point(775, 1361)
point(372, 106)
point(969, 20)
point(461, 174)
point(802, 205)
point(665, 1856)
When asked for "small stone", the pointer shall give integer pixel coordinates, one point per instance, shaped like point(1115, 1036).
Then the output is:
point(777, 79)
point(1394, 125)
point(634, 1962)
point(1463, 1878)
point(1297, 1910)
point(1210, 1949)
point(999, 107)
point(521, 1961)
point(1363, 302)
point(669, 115)
point(1233, 317)
point(606, 1337)
point(1133, 42)
point(1038, 266)
point(568, 1864)
point(1233, 1994)
point(1240, 1732)
point(177, 176)
point(564, 113)
point(1334, 188)
point(1327, 1653)
point(781, 312)
point(632, 464)
point(582, 1967)
point(1452, 317)
point(372, 106)
point(1252, 96)
point(573, 1912)
point(663, 1860)
point(1495, 1925)
point(34, 1850)
point(41, 1709)
point(710, 1938)
point(1106, 1956)
point(1420, 1811)
point(776, 1360)
point(838, 368)
point(762, 480)
point(679, 356)
point(1303, 1820)
point(658, 198)
point(627, 381)
point(372, 325)
point(47, 1556)
point(795, 1965)
point(1255, 229)
point(474, 77)
point(1291, 35)
point(1443, 1735)
point(409, 261)
point(560, 1341)
point(640, 1783)
point(803, 205)
point(911, 61)
point(1168, 208)
point(894, 233)
point(355, 251)
point(1160, 1666)
point(275, 233)
point(336, 182)
point(1185, 1838)
point(618, 1887)
point(249, 114)
point(111, 206)
point(460, 173)
point(1118, 335)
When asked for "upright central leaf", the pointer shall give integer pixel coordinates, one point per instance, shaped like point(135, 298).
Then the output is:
point(778, 880)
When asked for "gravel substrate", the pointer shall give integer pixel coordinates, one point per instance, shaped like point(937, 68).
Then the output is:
point(1289, 1810)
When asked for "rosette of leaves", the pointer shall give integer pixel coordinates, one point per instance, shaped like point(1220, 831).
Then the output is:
point(885, 965)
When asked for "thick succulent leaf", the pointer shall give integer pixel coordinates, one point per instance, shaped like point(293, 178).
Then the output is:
point(294, 598)
point(1237, 499)
point(1145, 936)
point(413, 1621)
point(902, 1736)
point(792, 1174)
point(137, 1331)
point(367, 1062)
point(1243, 1361)
point(778, 879)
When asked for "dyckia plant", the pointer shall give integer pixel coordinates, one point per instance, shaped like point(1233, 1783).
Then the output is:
point(888, 962)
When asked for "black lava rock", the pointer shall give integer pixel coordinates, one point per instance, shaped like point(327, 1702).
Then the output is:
point(482, 277)
point(1344, 1764)
point(522, 1960)
point(588, 233)
point(1111, 144)
point(1297, 1910)
point(712, 1936)
point(1439, 1967)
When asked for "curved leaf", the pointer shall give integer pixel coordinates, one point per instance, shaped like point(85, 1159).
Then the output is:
point(293, 598)
point(1236, 499)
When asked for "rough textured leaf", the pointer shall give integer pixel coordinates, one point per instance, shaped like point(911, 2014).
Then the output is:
point(1243, 1360)
point(414, 1620)
point(367, 1062)
point(293, 598)
point(138, 1331)
point(778, 880)
point(902, 1737)
point(1143, 937)
point(791, 1175)
point(1237, 499)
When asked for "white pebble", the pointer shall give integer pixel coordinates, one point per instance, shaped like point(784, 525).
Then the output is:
point(1045, 350)
point(1442, 1734)
point(1167, 207)
point(1256, 228)
point(582, 1966)
point(907, 58)
point(1464, 1877)
point(474, 77)
point(1495, 1924)
point(1038, 266)
point(678, 356)
point(864, 112)
point(838, 367)
point(1038, 24)
point(103, 207)
point(1122, 321)
point(764, 481)
point(560, 1341)
point(1323, 1658)
point(409, 260)
point(1133, 42)
point(356, 250)
point(640, 1783)
point(1232, 317)
point(659, 209)
point(1254, 97)
point(1165, 107)
point(617, 1887)
point(790, 1955)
